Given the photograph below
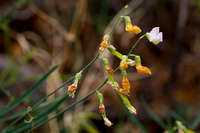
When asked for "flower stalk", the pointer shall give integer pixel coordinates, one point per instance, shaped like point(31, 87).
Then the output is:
point(102, 110)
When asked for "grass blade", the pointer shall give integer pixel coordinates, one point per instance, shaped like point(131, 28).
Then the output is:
point(19, 100)
point(69, 106)
point(155, 117)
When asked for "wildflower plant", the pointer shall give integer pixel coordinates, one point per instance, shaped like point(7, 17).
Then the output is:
point(123, 89)
point(154, 36)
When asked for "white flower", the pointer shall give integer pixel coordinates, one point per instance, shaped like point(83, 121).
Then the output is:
point(155, 36)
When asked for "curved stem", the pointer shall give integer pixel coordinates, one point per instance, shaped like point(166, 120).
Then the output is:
point(69, 80)
point(69, 107)
point(85, 97)
point(36, 106)
point(136, 43)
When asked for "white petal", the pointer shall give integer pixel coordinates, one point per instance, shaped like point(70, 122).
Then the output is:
point(161, 36)
point(155, 30)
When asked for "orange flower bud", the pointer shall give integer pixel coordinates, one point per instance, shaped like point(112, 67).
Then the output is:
point(143, 70)
point(125, 83)
point(132, 28)
point(104, 44)
point(123, 65)
point(101, 108)
point(72, 88)
point(109, 70)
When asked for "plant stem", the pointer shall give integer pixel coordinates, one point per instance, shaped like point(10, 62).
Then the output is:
point(85, 97)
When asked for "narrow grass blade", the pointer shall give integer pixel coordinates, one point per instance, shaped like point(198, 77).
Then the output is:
point(16, 70)
point(196, 123)
point(38, 118)
point(69, 106)
point(14, 104)
point(179, 117)
point(155, 117)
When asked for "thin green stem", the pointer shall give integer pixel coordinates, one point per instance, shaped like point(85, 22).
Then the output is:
point(35, 107)
point(136, 43)
point(83, 98)
point(70, 106)
point(38, 122)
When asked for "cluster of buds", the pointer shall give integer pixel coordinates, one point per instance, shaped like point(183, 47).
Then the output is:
point(124, 91)
point(153, 36)
point(104, 44)
point(102, 110)
point(73, 87)
point(129, 27)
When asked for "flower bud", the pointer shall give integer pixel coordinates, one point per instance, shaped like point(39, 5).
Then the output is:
point(123, 65)
point(130, 27)
point(143, 70)
point(72, 88)
point(104, 43)
point(127, 103)
point(101, 108)
point(125, 83)
point(109, 70)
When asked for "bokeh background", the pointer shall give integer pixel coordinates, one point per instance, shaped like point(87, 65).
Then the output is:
point(35, 35)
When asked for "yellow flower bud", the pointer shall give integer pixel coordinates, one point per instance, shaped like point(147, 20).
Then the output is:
point(125, 83)
point(123, 65)
point(104, 44)
point(132, 28)
point(142, 69)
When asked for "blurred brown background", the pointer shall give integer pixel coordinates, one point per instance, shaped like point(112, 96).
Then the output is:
point(68, 33)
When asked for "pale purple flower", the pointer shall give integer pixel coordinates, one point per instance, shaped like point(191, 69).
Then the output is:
point(155, 36)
